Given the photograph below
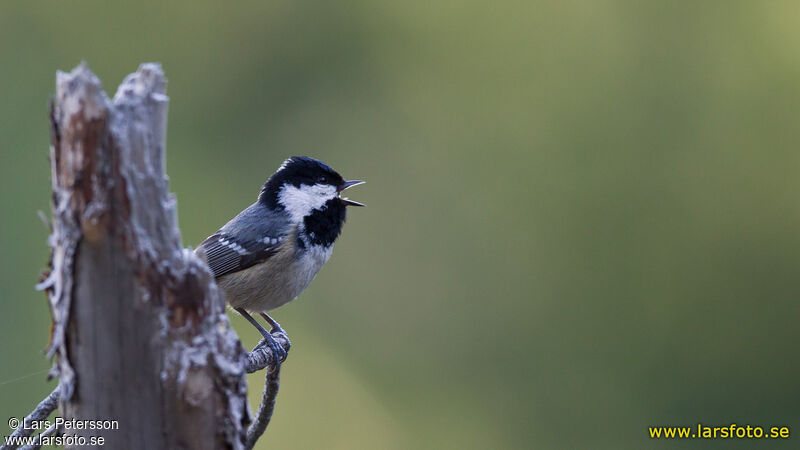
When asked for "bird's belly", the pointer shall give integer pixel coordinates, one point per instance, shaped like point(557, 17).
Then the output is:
point(273, 283)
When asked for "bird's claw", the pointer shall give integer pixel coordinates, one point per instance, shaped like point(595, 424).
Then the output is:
point(279, 354)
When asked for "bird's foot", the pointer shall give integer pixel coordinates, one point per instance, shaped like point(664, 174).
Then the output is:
point(279, 353)
point(276, 329)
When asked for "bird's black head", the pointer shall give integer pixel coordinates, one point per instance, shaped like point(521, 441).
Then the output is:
point(309, 191)
point(302, 170)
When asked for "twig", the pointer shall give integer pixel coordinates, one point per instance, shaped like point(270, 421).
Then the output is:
point(266, 408)
point(259, 358)
point(50, 430)
point(43, 409)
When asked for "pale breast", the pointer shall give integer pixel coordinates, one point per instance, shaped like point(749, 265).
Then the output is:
point(278, 280)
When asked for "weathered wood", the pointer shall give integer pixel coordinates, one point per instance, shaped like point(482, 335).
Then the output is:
point(140, 330)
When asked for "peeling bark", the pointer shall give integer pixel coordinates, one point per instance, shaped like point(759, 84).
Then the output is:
point(140, 333)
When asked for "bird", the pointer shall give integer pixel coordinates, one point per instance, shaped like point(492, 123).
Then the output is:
point(270, 252)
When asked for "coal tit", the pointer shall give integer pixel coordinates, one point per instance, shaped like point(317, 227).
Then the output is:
point(269, 253)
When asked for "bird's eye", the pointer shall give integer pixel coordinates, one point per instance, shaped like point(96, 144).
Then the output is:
point(322, 179)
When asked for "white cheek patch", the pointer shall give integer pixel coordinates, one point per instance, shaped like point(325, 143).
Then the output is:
point(300, 201)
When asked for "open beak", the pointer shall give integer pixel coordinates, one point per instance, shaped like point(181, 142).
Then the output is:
point(349, 184)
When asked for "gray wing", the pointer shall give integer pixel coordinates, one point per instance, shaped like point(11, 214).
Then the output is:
point(249, 238)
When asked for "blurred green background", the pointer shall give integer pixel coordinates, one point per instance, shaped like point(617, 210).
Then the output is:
point(583, 216)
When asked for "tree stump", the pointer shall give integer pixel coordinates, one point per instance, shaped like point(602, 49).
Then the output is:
point(140, 333)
